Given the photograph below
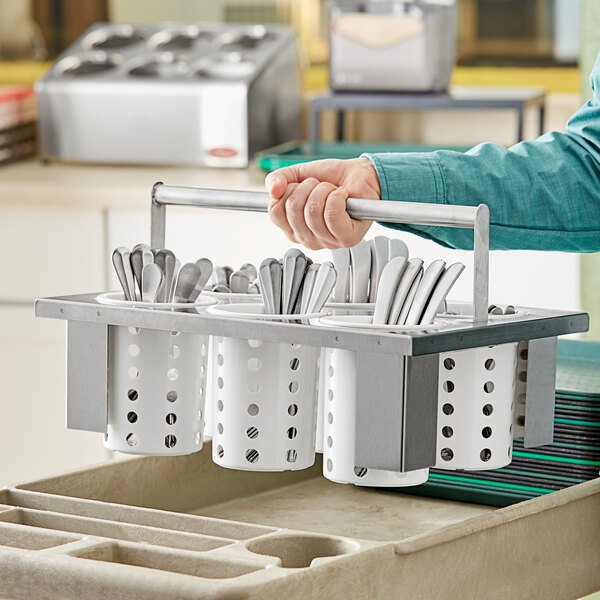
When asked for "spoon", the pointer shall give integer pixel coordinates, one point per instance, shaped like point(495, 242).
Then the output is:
point(137, 263)
point(360, 270)
point(160, 259)
point(269, 273)
point(221, 277)
point(413, 268)
point(294, 268)
point(144, 257)
point(187, 280)
point(167, 258)
point(176, 270)
point(440, 291)
point(205, 266)
point(495, 310)
point(152, 277)
point(430, 278)
point(250, 269)
point(239, 282)
point(120, 259)
point(388, 285)
point(341, 261)
point(324, 282)
point(379, 258)
point(307, 287)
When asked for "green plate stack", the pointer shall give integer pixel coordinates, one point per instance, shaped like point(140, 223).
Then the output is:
point(574, 457)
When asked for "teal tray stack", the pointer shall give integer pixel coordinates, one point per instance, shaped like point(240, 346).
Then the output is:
point(299, 151)
point(573, 458)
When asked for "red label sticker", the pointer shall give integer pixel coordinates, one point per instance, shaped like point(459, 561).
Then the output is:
point(223, 152)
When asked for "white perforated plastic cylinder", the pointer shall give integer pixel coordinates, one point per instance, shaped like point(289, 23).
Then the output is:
point(477, 389)
point(265, 395)
point(156, 389)
point(339, 411)
point(221, 298)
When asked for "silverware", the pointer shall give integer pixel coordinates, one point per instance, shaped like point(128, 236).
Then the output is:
point(239, 282)
point(222, 289)
point(430, 278)
point(413, 267)
point(187, 280)
point(176, 271)
point(440, 291)
point(121, 262)
point(341, 261)
point(495, 310)
point(294, 269)
point(361, 264)
point(397, 248)
point(388, 286)
point(379, 257)
point(206, 267)
point(307, 287)
point(220, 276)
point(166, 259)
point(270, 273)
point(137, 263)
point(152, 278)
point(250, 269)
point(410, 297)
point(324, 282)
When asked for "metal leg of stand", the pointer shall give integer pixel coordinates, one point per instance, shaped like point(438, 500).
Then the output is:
point(340, 125)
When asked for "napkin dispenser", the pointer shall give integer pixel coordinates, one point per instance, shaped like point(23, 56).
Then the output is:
point(392, 45)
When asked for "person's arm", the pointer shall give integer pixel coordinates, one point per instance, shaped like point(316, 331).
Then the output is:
point(542, 195)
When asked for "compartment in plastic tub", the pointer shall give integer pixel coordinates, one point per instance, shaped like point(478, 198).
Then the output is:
point(297, 551)
point(118, 530)
point(475, 409)
point(166, 560)
point(156, 388)
point(164, 65)
point(113, 37)
point(89, 63)
point(264, 399)
point(27, 539)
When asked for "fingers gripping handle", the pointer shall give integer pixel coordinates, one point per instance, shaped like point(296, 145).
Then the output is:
point(409, 213)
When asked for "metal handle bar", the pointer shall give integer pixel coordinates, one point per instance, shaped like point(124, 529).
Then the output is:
point(409, 213)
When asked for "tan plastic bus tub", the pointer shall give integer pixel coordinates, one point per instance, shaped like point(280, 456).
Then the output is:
point(183, 528)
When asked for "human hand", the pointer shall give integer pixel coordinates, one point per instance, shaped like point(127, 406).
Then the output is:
point(308, 201)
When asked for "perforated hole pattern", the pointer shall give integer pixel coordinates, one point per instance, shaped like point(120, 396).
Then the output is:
point(474, 420)
point(156, 391)
point(264, 392)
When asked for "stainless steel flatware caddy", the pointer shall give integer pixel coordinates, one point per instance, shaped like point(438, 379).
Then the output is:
point(398, 410)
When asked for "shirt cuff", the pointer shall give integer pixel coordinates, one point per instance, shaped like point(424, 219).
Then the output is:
point(409, 177)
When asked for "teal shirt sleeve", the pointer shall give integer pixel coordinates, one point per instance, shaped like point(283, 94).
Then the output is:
point(542, 195)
